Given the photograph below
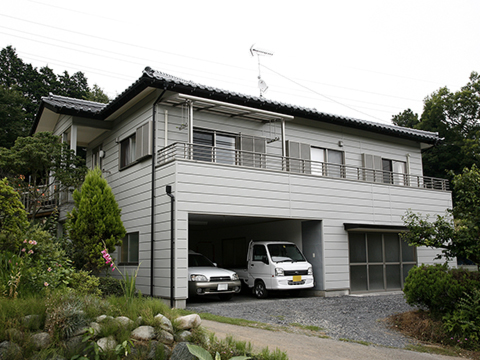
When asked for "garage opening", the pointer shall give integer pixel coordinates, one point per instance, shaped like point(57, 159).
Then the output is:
point(379, 261)
point(224, 239)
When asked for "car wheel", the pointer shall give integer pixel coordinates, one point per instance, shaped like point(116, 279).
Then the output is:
point(225, 297)
point(260, 290)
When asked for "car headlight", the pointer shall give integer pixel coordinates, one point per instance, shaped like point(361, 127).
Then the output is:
point(235, 277)
point(195, 277)
point(310, 271)
point(279, 272)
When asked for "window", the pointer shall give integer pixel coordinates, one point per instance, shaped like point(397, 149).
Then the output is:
point(327, 162)
point(97, 157)
point(137, 146)
point(379, 261)
point(127, 151)
point(378, 169)
point(129, 249)
point(394, 171)
point(215, 146)
point(259, 252)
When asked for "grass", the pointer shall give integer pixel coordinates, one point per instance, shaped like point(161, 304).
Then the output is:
point(366, 343)
point(51, 314)
point(420, 325)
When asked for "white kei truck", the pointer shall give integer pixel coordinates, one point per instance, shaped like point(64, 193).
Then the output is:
point(275, 265)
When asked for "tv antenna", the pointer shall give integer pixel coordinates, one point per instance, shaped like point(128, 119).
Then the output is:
point(262, 85)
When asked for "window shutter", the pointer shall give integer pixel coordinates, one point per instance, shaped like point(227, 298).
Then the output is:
point(143, 141)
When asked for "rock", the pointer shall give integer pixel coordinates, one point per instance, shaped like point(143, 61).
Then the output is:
point(10, 350)
point(165, 337)
point(107, 343)
point(125, 321)
point(14, 335)
point(183, 336)
point(165, 323)
point(188, 322)
point(96, 328)
point(144, 333)
point(75, 344)
point(41, 340)
point(32, 322)
point(181, 353)
point(139, 321)
point(101, 318)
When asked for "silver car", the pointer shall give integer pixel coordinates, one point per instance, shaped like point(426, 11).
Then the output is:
point(205, 278)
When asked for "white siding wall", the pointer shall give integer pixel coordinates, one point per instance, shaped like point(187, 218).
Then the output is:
point(229, 190)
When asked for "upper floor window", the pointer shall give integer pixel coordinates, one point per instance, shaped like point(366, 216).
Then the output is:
point(327, 162)
point(127, 151)
point(394, 171)
point(220, 147)
point(137, 146)
point(129, 251)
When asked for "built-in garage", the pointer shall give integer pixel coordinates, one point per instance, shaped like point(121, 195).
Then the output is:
point(224, 239)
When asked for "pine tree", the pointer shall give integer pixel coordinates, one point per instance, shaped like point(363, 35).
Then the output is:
point(94, 221)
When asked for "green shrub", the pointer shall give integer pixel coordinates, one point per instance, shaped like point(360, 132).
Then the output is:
point(110, 286)
point(463, 325)
point(438, 288)
point(84, 283)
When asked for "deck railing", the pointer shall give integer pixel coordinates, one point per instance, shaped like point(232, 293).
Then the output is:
point(196, 152)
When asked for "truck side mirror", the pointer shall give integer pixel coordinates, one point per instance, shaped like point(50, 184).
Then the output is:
point(265, 259)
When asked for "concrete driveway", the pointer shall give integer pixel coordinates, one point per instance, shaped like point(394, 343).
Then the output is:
point(303, 347)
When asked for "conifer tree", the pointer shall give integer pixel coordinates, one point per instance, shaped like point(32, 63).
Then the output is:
point(94, 221)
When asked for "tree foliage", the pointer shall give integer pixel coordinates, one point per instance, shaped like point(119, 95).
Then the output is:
point(18, 77)
point(456, 118)
point(456, 238)
point(13, 218)
point(94, 221)
point(41, 167)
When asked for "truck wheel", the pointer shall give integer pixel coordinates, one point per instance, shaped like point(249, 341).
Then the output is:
point(260, 290)
point(225, 297)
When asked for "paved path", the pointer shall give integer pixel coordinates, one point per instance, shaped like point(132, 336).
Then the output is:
point(303, 347)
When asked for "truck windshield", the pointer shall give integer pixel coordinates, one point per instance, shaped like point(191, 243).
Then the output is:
point(285, 252)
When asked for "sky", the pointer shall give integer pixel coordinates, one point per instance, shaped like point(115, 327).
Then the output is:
point(364, 59)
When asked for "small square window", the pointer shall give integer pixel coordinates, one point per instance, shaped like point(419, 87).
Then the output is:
point(129, 249)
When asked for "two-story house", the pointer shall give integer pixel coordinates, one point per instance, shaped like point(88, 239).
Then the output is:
point(241, 167)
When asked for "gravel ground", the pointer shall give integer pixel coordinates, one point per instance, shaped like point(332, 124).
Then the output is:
point(348, 317)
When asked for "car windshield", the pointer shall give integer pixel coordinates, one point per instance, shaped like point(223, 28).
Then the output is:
point(195, 260)
point(285, 252)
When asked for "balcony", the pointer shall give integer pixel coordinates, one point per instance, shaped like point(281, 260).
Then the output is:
point(248, 159)
point(45, 199)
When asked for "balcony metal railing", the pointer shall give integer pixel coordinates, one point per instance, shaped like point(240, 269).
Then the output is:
point(45, 199)
point(196, 152)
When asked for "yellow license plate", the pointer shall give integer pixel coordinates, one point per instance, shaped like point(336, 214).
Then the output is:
point(297, 278)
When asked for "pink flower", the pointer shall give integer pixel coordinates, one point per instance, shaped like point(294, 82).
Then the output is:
point(45, 284)
point(49, 269)
point(25, 241)
point(30, 251)
point(23, 250)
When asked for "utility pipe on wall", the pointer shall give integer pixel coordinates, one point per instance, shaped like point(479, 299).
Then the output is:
point(152, 209)
point(168, 190)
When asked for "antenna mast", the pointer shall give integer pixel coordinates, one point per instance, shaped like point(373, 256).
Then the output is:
point(262, 85)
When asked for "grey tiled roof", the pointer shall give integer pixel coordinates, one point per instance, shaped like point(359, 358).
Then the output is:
point(157, 79)
point(63, 102)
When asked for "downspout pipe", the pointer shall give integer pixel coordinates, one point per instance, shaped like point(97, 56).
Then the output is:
point(152, 209)
point(168, 190)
